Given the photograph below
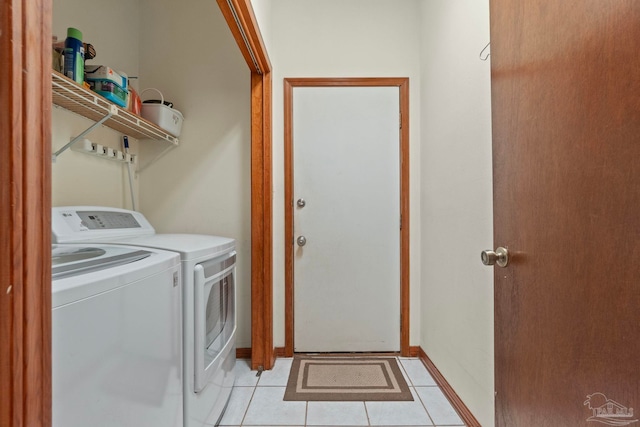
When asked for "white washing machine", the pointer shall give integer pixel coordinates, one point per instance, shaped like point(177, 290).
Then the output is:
point(116, 336)
point(209, 298)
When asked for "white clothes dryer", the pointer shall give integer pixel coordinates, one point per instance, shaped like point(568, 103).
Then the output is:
point(209, 298)
point(116, 336)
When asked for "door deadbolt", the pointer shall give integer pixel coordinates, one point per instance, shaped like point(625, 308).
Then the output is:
point(301, 203)
point(301, 241)
point(500, 257)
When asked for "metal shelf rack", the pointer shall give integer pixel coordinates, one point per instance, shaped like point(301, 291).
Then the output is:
point(73, 97)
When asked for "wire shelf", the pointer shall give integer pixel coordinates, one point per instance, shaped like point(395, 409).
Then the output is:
point(73, 97)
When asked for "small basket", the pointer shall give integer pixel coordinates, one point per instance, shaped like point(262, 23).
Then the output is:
point(166, 117)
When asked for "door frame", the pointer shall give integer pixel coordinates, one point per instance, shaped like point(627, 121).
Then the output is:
point(244, 27)
point(25, 213)
point(403, 84)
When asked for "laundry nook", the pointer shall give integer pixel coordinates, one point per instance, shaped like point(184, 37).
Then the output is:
point(149, 166)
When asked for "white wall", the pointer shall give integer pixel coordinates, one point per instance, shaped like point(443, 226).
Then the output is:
point(337, 38)
point(456, 199)
point(262, 12)
point(203, 185)
point(78, 178)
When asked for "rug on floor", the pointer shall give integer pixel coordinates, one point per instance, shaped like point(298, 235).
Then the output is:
point(346, 379)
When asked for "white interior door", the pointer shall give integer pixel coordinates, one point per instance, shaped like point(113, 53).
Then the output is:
point(346, 163)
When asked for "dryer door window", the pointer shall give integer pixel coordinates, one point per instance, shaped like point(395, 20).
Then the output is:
point(217, 309)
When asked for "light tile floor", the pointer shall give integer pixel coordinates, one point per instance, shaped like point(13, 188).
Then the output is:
point(257, 401)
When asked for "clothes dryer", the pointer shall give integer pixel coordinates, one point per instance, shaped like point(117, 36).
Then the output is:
point(116, 336)
point(209, 298)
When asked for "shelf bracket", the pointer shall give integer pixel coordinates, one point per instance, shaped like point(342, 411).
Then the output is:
point(113, 111)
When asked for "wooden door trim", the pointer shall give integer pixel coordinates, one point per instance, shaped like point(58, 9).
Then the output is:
point(244, 27)
point(263, 354)
point(25, 228)
point(403, 85)
point(247, 34)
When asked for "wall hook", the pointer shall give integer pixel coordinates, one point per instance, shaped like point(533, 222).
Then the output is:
point(488, 53)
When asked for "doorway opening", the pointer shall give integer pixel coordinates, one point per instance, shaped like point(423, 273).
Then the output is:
point(403, 89)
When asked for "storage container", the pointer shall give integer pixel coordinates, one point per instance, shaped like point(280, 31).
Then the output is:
point(110, 90)
point(102, 72)
point(164, 116)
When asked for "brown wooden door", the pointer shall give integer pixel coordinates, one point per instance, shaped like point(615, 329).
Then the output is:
point(566, 141)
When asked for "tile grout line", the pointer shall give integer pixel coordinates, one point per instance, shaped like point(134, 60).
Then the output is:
point(405, 371)
point(368, 419)
point(250, 400)
point(366, 411)
point(425, 407)
point(416, 392)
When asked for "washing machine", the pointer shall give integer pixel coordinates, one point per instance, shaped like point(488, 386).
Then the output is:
point(116, 336)
point(208, 291)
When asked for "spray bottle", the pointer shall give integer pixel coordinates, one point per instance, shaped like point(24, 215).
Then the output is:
point(74, 55)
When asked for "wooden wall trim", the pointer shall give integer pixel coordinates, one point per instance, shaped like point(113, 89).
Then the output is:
point(414, 351)
point(288, 218)
point(403, 84)
point(243, 353)
point(347, 81)
point(266, 177)
point(247, 35)
point(25, 213)
point(405, 236)
point(280, 352)
point(248, 30)
point(254, 37)
point(261, 224)
point(451, 395)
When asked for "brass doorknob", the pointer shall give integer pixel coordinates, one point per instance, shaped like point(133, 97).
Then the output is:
point(500, 257)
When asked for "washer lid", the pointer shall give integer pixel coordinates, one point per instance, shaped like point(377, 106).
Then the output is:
point(119, 266)
point(190, 246)
point(70, 260)
point(83, 224)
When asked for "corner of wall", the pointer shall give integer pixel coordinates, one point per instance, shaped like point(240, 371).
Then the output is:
point(203, 185)
point(456, 200)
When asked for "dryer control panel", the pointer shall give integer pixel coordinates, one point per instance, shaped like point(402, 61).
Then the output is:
point(77, 223)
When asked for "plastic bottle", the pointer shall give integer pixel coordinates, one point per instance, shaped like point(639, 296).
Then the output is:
point(74, 55)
